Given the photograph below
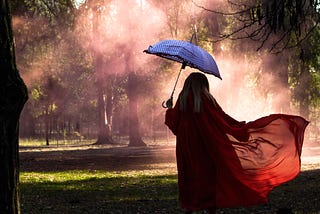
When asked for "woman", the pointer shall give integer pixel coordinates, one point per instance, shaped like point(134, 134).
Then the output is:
point(226, 163)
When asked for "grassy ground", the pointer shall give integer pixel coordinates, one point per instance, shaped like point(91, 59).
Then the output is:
point(136, 192)
point(130, 180)
point(98, 192)
point(26, 142)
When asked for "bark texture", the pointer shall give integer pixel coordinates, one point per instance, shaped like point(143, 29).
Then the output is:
point(13, 95)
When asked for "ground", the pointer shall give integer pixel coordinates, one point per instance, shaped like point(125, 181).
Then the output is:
point(98, 157)
point(301, 195)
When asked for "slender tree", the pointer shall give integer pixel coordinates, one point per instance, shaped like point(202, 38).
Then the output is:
point(13, 95)
point(104, 135)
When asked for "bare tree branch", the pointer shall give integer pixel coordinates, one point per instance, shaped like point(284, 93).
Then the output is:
point(274, 24)
point(221, 12)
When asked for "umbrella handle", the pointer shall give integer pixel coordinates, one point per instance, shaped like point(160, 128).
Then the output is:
point(163, 104)
point(166, 104)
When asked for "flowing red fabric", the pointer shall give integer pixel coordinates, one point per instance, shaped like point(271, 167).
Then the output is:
point(226, 163)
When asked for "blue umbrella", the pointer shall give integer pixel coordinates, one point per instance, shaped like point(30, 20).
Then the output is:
point(186, 53)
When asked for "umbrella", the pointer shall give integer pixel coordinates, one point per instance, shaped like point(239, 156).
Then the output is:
point(186, 53)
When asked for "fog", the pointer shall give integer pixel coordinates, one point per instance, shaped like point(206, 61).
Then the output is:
point(122, 29)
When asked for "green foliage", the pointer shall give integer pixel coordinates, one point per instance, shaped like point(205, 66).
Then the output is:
point(36, 94)
point(315, 89)
point(304, 75)
point(55, 11)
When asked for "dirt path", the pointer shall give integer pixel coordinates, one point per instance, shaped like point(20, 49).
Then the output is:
point(90, 157)
point(118, 158)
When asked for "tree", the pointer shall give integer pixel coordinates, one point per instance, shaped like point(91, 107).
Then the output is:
point(13, 95)
point(104, 133)
point(277, 24)
point(304, 76)
point(48, 52)
point(287, 29)
point(134, 125)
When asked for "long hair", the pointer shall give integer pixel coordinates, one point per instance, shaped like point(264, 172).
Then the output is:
point(197, 83)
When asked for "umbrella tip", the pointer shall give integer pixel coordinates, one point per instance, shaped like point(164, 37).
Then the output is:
point(147, 50)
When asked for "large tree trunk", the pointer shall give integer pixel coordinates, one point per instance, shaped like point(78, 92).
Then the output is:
point(13, 95)
point(104, 136)
point(134, 127)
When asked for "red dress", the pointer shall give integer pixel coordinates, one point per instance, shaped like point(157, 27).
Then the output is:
point(226, 163)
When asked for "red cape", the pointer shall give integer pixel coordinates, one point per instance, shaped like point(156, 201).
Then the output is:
point(225, 163)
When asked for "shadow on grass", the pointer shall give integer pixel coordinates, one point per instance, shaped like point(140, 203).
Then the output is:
point(132, 194)
point(150, 194)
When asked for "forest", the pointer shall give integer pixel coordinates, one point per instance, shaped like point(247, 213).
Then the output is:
point(88, 77)
point(91, 136)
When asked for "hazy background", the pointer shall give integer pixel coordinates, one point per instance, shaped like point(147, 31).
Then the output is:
point(66, 59)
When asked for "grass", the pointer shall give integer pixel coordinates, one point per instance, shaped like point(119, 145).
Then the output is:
point(84, 191)
point(98, 192)
point(152, 190)
point(31, 142)
point(26, 142)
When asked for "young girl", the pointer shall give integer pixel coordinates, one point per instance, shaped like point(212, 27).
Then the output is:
point(226, 163)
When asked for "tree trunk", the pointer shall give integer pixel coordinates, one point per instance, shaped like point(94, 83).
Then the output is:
point(13, 95)
point(104, 131)
point(134, 127)
point(47, 126)
point(104, 136)
point(109, 107)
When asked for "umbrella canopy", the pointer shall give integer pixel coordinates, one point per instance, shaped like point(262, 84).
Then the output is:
point(186, 53)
